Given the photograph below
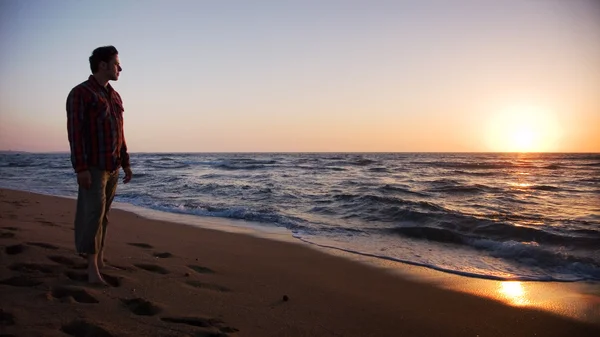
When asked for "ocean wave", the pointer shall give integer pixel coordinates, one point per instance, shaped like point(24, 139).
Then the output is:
point(532, 255)
point(552, 167)
point(232, 166)
point(590, 180)
point(461, 228)
point(387, 209)
point(474, 165)
point(477, 173)
point(557, 261)
point(401, 189)
point(461, 189)
point(255, 161)
point(23, 164)
point(590, 156)
point(573, 271)
point(265, 215)
point(429, 233)
point(443, 182)
point(500, 231)
point(166, 165)
point(379, 169)
point(596, 164)
point(321, 168)
point(361, 162)
point(546, 188)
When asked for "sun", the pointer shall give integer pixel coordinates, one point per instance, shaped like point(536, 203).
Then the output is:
point(524, 138)
point(522, 128)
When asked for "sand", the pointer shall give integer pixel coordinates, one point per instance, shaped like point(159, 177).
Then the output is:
point(174, 280)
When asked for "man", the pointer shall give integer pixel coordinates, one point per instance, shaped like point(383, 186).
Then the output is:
point(98, 150)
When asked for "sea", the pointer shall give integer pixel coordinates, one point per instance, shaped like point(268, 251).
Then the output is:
point(504, 216)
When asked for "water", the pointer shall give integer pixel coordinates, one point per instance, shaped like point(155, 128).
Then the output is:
point(500, 216)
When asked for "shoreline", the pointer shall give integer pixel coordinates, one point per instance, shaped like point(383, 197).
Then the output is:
point(539, 296)
point(577, 300)
point(281, 233)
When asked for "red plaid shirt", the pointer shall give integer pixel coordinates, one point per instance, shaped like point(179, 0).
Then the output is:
point(95, 127)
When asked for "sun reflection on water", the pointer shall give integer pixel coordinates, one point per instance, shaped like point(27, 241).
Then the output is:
point(514, 292)
point(521, 185)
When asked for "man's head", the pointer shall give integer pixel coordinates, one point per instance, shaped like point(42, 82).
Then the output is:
point(105, 62)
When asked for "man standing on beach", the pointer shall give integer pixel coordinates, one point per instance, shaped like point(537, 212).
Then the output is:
point(98, 150)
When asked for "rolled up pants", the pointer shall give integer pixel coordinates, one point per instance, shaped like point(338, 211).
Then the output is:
point(93, 206)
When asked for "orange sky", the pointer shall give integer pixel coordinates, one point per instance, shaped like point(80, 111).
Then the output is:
point(313, 76)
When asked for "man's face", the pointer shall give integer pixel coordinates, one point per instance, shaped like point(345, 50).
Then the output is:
point(112, 68)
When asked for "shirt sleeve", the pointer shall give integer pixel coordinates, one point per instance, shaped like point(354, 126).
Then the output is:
point(124, 154)
point(75, 130)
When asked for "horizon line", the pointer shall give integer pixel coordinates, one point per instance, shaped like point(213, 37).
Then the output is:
point(318, 152)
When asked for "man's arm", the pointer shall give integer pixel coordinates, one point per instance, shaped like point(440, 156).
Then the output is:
point(125, 162)
point(124, 155)
point(75, 130)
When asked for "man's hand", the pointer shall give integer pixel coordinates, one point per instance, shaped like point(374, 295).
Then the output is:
point(128, 174)
point(84, 179)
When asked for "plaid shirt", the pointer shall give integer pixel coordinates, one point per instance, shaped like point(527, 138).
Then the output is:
point(95, 127)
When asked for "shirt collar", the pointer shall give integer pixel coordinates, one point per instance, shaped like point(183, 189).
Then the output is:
point(97, 85)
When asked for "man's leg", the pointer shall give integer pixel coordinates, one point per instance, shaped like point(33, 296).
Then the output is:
point(90, 211)
point(111, 189)
point(79, 220)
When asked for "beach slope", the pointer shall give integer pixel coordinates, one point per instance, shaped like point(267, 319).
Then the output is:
point(175, 280)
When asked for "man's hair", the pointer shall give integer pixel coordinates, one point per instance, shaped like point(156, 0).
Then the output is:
point(101, 54)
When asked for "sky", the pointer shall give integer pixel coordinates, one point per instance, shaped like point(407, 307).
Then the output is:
point(312, 76)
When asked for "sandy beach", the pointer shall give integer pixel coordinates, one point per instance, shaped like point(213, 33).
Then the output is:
point(174, 280)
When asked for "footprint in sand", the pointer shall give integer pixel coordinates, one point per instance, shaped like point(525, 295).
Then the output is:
point(163, 255)
point(200, 269)
point(65, 261)
point(201, 322)
point(152, 268)
point(122, 268)
point(18, 203)
point(112, 281)
point(43, 245)
point(79, 328)
point(141, 307)
point(140, 245)
point(7, 235)
point(209, 286)
point(6, 318)
point(15, 249)
point(47, 223)
point(33, 267)
point(21, 281)
point(66, 293)
point(62, 260)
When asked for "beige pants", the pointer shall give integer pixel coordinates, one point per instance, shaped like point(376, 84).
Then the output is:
point(93, 205)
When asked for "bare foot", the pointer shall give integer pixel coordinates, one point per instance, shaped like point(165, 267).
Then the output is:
point(95, 278)
point(102, 264)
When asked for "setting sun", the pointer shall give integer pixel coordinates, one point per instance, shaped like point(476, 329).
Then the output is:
point(523, 129)
point(523, 138)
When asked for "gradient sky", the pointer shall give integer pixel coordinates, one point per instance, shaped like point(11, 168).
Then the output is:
point(392, 76)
